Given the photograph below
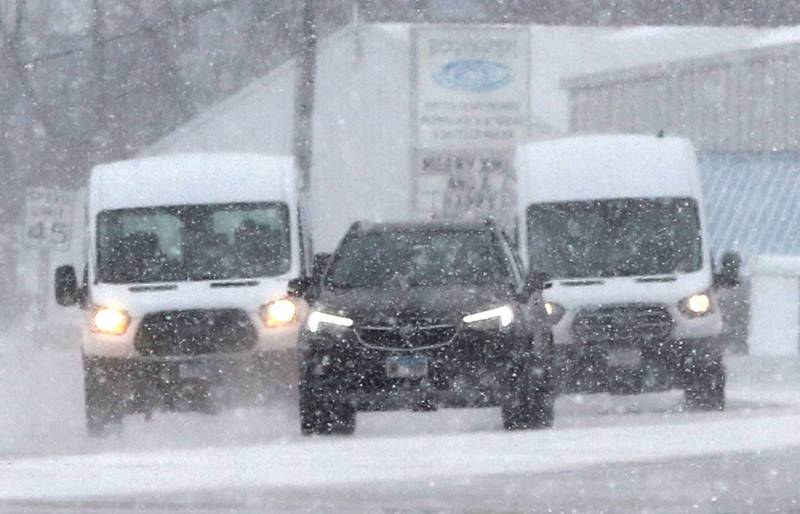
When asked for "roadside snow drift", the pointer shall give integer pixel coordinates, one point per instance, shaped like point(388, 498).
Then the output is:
point(328, 462)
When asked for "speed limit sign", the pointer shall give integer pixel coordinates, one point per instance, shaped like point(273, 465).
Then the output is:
point(48, 218)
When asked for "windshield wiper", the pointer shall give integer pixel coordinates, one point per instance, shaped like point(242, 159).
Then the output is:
point(662, 278)
point(589, 282)
point(236, 283)
point(157, 287)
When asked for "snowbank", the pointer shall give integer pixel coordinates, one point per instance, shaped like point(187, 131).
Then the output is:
point(775, 306)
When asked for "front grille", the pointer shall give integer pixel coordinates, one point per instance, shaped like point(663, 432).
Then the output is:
point(195, 332)
point(623, 323)
point(409, 336)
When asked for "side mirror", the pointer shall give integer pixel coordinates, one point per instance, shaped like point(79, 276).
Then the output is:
point(536, 281)
point(726, 279)
point(729, 274)
point(66, 286)
point(303, 287)
point(307, 287)
point(321, 261)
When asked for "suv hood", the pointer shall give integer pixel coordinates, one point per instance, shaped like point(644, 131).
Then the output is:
point(376, 305)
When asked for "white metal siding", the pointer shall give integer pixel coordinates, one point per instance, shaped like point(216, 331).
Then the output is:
point(742, 102)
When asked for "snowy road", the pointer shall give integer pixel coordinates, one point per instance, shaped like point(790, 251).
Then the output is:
point(254, 459)
point(728, 484)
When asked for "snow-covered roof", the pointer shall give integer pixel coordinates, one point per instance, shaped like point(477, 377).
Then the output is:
point(192, 178)
point(606, 166)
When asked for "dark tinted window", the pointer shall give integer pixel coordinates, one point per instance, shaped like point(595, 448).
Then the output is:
point(418, 259)
point(193, 242)
point(608, 238)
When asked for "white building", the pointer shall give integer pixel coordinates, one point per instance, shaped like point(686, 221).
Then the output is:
point(363, 121)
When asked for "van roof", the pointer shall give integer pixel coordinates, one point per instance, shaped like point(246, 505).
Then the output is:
point(192, 179)
point(606, 166)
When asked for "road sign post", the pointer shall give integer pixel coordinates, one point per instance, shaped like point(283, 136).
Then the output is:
point(47, 228)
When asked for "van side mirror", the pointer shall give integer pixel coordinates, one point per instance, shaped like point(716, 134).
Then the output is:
point(536, 281)
point(307, 287)
point(66, 286)
point(729, 274)
point(303, 287)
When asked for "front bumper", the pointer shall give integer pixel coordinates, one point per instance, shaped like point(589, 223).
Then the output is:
point(704, 327)
point(469, 371)
point(644, 366)
point(123, 346)
point(183, 383)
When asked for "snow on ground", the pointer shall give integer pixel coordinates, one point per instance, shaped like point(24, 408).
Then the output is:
point(44, 454)
point(338, 461)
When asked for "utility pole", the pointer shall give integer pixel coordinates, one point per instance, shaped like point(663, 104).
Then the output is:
point(304, 97)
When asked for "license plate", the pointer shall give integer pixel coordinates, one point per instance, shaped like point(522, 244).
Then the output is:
point(624, 358)
point(193, 370)
point(407, 366)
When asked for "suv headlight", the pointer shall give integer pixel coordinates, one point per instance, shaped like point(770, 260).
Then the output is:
point(491, 319)
point(318, 319)
point(108, 320)
point(697, 305)
point(278, 313)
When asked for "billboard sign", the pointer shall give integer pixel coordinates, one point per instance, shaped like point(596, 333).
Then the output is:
point(470, 87)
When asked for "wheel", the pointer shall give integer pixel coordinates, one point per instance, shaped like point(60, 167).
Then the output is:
point(103, 404)
point(528, 405)
point(535, 412)
point(706, 390)
point(323, 415)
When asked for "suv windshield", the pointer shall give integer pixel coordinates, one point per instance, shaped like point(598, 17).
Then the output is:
point(424, 258)
point(193, 242)
point(615, 238)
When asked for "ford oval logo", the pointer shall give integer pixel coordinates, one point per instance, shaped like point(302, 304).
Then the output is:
point(473, 75)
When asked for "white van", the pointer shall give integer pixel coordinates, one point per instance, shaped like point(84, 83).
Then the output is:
point(617, 224)
point(187, 261)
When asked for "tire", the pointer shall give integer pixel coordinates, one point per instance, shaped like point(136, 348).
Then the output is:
point(322, 415)
point(104, 408)
point(528, 405)
point(535, 412)
point(706, 390)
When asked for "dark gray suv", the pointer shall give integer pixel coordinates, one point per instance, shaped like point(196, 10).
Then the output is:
point(418, 316)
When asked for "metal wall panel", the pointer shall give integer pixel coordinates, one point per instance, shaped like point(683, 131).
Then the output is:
point(742, 102)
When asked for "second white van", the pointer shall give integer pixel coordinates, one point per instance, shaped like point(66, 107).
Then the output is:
point(617, 223)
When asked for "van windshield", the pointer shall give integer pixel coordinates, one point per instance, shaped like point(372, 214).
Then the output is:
point(193, 242)
point(615, 238)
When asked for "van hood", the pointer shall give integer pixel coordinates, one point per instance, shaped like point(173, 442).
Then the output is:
point(660, 289)
point(141, 299)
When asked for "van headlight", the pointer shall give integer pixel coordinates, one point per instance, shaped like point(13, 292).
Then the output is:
point(491, 319)
point(317, 320)
point(697, 305)
point(107, 320)
point(554, 312)
point(278, 313)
